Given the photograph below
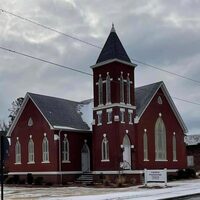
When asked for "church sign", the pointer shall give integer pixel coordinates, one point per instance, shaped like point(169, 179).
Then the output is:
point(155, 176)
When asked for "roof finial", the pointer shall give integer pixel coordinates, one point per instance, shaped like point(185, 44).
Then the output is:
point(113, 28)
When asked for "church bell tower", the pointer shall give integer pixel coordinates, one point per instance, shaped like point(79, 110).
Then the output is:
point(113, 135)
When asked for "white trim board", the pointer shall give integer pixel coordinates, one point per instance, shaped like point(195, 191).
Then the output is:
point(113, 60)
point(46, 173)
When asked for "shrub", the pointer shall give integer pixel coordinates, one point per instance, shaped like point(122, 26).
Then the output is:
point(9, 180)
point(187, 173)
point(191, 173)
point(29, 178)
point(16, 179)
point(38, 180)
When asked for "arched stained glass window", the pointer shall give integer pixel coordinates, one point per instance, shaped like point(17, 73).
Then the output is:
point(100, 90)
point(65, 150)
point(30, 151)
point(160, 140)
point(45, 150)
point(121, 88)
point(145, 145)
point(105, 149)
point(128, 90)
point(174, 148)
point(18, 152)
point(108, 92)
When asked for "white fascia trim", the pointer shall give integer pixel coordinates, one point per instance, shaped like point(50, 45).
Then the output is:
point(65, 128)
point(177, 114)
point(119, 172)
point(114, 105)
point(46, 173)
point(171, 103)
point(112, 60)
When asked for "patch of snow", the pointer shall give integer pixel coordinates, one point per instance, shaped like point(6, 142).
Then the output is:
point(174, 189)
point(85, 109)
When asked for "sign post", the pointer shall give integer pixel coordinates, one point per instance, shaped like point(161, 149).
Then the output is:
point(155, 176)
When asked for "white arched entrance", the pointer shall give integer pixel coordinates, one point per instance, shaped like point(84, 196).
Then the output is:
point(126, 153)
point(85, 158)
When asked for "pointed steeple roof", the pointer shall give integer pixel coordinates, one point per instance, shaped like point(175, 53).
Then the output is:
point(113, 49)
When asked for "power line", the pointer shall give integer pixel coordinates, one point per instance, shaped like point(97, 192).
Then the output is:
point(49, 28)
point(45, 61)
point(72, 69)
point(96, 46)
point(163, 70)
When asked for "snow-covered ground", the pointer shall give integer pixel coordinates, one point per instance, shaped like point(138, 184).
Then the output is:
point(174, 189)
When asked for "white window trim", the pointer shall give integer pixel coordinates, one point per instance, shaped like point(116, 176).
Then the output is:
point(18, 152)
point(109, 111)
point(99, 122)
point(66, 152)
point(30, 163)
point(130, 113)
point(122, 119)
point(45, 153)
point(105, 160)
point(163, 150)
point(32, 153)
point(105, 140)
point(145, 146)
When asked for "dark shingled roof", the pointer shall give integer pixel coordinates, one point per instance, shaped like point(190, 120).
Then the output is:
point(59, 112)
point(143, 95)
point(62, 112)
point(112, 49)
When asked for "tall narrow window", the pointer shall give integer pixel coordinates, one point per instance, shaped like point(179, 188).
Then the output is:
point(174, 147)
point(105, 149)
point(99, 118)
point(65, 150)
point(130, 116)
point(100, 90)
point(45, 149)
point(30, 151)
point(108, 93)
point(160, 140)
point(128, 90)
point(18, 152)
point(121, 88)
point(122, 110)
point(145, 146)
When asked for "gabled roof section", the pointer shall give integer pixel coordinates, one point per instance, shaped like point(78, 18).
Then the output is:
point(113, 49)
point(144, 96)
point(59, 112)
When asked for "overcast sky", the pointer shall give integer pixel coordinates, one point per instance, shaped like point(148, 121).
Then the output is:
point(164, 33)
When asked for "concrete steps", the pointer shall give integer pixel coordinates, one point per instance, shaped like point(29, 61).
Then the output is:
point(85, 178)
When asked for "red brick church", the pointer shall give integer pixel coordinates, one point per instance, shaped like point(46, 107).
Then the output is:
point(122, 130)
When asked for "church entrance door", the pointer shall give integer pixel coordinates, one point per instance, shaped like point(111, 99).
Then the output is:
point(85, 158)
point(126, 153)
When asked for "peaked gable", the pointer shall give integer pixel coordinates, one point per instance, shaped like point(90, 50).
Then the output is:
point(59, 113)
point(144, 96)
